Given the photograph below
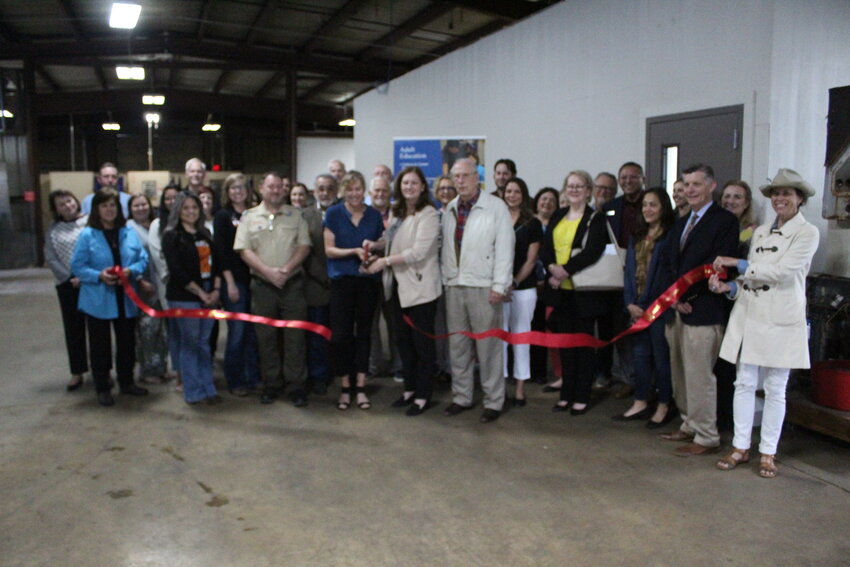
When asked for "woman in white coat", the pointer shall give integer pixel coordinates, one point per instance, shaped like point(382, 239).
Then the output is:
point(767, 328)
point(412, 282)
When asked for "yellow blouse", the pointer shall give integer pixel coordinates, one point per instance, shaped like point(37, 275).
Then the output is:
point(563, 237)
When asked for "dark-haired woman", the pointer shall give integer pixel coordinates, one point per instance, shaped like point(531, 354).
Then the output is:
point(519, 310)
point(576, 311)
point(354, 294)
point(412, 281)
point(68, 223)
point(641, 287)
point(545, 205)
point(193, 283)
point(104, 243)
point(159, 272)
point(241, 363)
point(151, 337)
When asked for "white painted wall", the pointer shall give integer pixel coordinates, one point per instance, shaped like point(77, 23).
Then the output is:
point(811, 54)
point(572, 87)
point(315, 153)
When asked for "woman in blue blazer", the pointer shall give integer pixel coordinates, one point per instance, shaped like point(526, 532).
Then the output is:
point(104, 243)
point(651, 354)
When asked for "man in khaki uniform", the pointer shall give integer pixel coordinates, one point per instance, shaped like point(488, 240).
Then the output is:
point(273, 239)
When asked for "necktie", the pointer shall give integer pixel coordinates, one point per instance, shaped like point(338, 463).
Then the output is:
point(688, 229)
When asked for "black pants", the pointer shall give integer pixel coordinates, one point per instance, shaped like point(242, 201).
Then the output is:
point(577, 364)
point(539, 355)
point(418, 353)
point(352, 306)
point(74, 323)
point(100, 350)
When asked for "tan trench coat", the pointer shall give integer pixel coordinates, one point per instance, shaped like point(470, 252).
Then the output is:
point(768, 323)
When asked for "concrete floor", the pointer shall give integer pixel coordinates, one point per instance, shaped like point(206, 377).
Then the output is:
point(155, 482)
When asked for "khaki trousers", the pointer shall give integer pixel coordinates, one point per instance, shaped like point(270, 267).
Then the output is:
point(693, 353)
point(468, 309)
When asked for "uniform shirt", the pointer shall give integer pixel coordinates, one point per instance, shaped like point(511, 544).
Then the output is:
point(273, 237)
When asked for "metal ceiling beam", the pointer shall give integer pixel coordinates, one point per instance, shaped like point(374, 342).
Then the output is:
point(222, 79)
point(8, 34)
point(462, 41)
point(202, 19)
point(507, 10)
point(333, 24)
point(190, 47)
point(270, 84)
point(48, 78)
point(68, 8)
point(411, 26)
point(101, 77)
point(316, 89)
point(130, 100)
point(266, 11)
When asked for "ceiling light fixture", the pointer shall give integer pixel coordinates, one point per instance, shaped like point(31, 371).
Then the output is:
point(153, 99)
point(124, 15)
point(211, 127)
point(113, 126)
point(130, 73)
point(7, 114)
point(152, 118)
point(347, 122)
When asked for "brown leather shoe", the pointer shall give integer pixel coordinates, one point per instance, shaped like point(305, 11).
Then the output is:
point(694, 449)
point(677, 435)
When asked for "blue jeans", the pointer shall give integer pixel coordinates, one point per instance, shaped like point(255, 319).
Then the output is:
point(317, 346)
point(195, 358)
point(241, 359)
point(651, 355)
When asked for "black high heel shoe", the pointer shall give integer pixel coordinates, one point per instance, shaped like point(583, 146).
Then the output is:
point(671, 414)
point(75, 385)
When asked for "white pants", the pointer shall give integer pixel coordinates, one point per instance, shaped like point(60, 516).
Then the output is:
point(516, 318)
point(775, 380)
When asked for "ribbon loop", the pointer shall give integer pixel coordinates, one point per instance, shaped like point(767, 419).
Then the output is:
point(215, 313)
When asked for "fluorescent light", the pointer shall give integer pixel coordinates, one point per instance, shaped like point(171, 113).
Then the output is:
point(124, 15)
point(347, 122)
point(111, 126)
point(7, 114)
point(156, 99)
point(210, 127)
point(130, 73)
point(152, 117)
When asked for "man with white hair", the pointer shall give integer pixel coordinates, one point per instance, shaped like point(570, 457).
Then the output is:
point(477, 263)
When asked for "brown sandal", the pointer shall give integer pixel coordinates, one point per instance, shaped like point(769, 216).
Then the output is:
point(732, 459)
point(767, 468)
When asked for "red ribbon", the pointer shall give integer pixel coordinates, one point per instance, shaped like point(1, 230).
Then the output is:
point(574, 340)
point(214, 313)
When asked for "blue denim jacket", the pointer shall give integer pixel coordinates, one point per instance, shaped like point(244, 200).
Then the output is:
point(91, 256)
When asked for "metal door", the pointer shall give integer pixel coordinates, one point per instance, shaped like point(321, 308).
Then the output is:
point(711, 136)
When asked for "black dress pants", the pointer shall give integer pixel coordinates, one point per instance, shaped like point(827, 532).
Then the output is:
point(100, 350)
point(418, 352)
point(74, 324)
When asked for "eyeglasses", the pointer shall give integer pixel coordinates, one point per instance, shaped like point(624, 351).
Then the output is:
point(446, 188)
point(605, 187)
